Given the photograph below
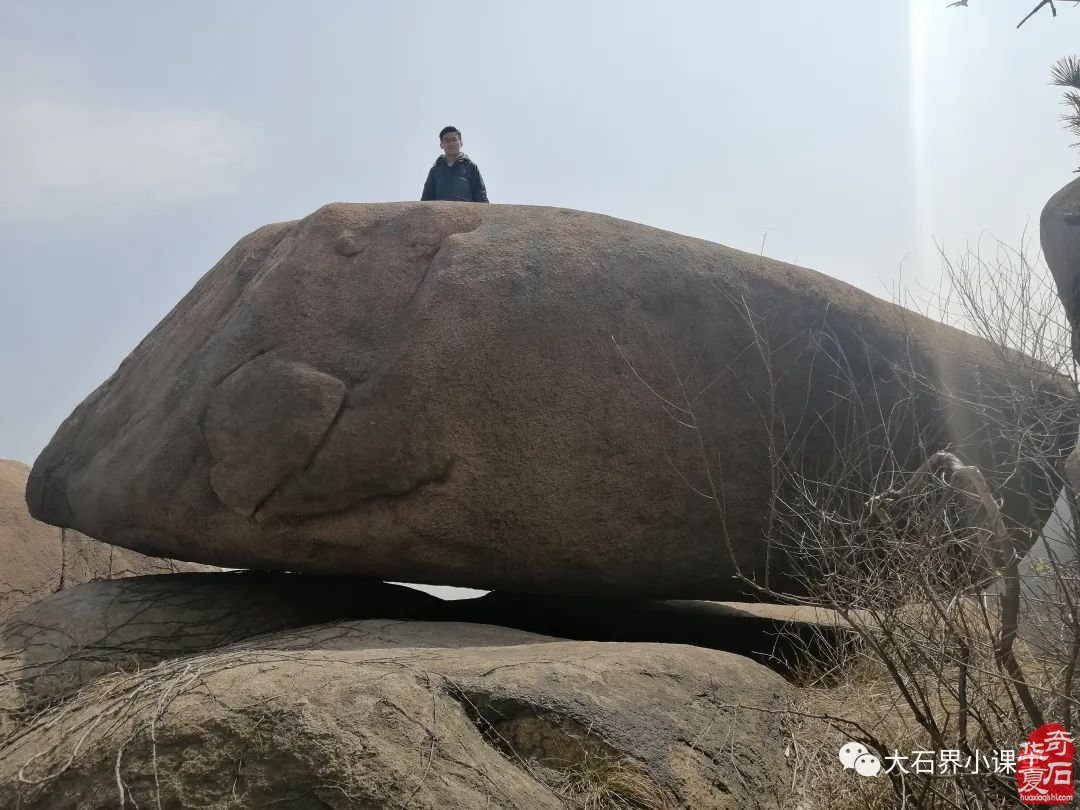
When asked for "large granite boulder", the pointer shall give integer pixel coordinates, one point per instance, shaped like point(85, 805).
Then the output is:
point(375, 714)
point(519, 398)
point(37, 559)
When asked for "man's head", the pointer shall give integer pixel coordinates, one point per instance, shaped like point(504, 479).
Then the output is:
point(450, 141)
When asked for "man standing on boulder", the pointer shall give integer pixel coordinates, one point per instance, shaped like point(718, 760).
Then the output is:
point(454, 176)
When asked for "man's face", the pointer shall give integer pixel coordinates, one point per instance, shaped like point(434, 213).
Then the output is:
point(451, 143)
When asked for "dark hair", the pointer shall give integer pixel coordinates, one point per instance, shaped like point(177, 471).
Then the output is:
point(447, 130)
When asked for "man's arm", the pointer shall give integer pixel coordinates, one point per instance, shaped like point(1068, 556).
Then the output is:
point(479, 192)
point(428, 193)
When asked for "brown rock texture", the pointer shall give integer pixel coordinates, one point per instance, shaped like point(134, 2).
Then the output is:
point(37, 559)
point(518, 398)
point(372, 714)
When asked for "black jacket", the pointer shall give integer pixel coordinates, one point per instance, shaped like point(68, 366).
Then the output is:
point(460, 182)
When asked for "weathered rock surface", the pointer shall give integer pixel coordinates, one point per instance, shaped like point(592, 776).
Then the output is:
point(393, 714)
point(37, 559)
point(515, 398)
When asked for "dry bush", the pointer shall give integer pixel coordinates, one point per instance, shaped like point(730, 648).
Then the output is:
point(965, 645)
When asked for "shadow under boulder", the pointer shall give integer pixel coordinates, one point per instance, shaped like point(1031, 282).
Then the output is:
point(60, 644)
point(55, 646)
point(793, 641)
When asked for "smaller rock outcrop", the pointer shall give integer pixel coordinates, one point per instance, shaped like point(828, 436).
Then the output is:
point(425, 715)
point(37, 559)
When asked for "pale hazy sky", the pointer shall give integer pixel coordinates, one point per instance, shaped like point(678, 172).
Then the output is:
point(140, 140)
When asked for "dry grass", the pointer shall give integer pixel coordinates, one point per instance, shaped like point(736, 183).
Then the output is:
point(862, 701)
point(819, 781)
point(598, 782)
